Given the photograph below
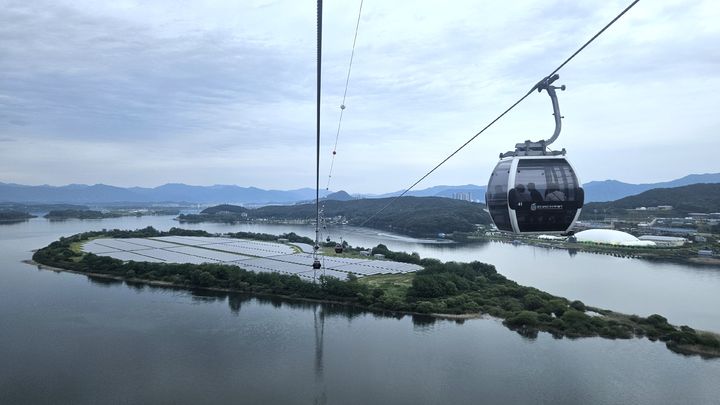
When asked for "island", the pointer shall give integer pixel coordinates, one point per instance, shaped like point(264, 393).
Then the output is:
point(63, 214)
point(79, 214)
point(13, 216)
point(438, 289)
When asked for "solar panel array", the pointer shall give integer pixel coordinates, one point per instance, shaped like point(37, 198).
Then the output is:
point(251, 255)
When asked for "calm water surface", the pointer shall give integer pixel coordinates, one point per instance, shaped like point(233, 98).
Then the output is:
point(66, 338)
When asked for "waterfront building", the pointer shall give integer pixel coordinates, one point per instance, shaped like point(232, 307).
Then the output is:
point(665, 241)
point(610, 237)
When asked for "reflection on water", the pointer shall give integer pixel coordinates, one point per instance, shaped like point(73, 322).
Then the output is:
point(104, 281)
point(13, 221)
point(70, 340)
point(319, 327)
point(621, 284)
point(421, 322)
point(235, 302)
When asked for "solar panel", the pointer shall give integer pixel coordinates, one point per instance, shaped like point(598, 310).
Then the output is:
point(208, 254)
point(259, 256)
point(130, 256)
point(97, 248)
point(328, 272)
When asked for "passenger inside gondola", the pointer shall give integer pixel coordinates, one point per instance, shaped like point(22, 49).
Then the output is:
point(553, 193)
point(522, 193)
point(534, 194)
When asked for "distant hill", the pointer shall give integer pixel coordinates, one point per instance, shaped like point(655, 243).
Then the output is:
point(417, 216)
point(693, 198)
point(225, 209)
point(610, 190)
point(37, 208)
point(101, 193)
point(607, 190)
point(341, 195)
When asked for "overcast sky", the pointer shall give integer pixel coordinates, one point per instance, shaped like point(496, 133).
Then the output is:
point(222, 92)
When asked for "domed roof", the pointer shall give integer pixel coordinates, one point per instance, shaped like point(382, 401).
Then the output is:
point(610, 237)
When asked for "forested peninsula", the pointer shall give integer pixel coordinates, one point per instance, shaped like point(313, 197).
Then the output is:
point(440, 289)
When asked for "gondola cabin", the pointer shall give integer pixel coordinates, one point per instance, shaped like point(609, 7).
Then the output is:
point(534, 189)
point(534, 194)
point(338, 248)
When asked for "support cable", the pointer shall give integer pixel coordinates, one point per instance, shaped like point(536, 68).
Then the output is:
point(343, 105)
point(342, 110)
point(317, 125)
point(503, 113)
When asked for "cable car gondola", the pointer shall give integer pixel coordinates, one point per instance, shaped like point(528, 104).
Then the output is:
point(338, 248)
point(533, 190)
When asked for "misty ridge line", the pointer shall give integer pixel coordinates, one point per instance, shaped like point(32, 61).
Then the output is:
point(595, 191)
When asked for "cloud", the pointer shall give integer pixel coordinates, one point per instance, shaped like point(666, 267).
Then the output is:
point(224, 93)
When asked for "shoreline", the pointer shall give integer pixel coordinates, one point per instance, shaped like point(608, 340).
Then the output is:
point(168, 284)
point(695, 261)
point(681, 349)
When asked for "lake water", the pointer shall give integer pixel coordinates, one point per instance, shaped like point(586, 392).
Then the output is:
point(65, 338)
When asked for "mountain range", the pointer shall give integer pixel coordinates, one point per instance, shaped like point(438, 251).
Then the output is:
point(595, 191)
point(684, 200)
point(611, 190)
point(101, 193)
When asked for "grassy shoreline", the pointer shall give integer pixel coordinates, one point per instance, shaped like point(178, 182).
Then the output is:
point(441, 290)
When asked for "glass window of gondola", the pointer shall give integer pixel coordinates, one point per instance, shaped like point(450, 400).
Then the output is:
point(496, 196)
point(553, 195)
point(552, 178)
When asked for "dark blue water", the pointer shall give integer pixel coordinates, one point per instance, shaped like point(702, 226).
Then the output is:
point(65, 338)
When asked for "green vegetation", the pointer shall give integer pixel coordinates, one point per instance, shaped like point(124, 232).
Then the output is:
point(79, 214)
point(440, 288)
point(416, 216)
point(693, 198)
point(14, 216)
point(73, 213)
point(291, 237)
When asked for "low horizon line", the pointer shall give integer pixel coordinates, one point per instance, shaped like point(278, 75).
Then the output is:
point(313, 188)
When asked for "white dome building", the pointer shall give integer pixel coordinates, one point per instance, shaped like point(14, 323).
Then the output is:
point(611, 237)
